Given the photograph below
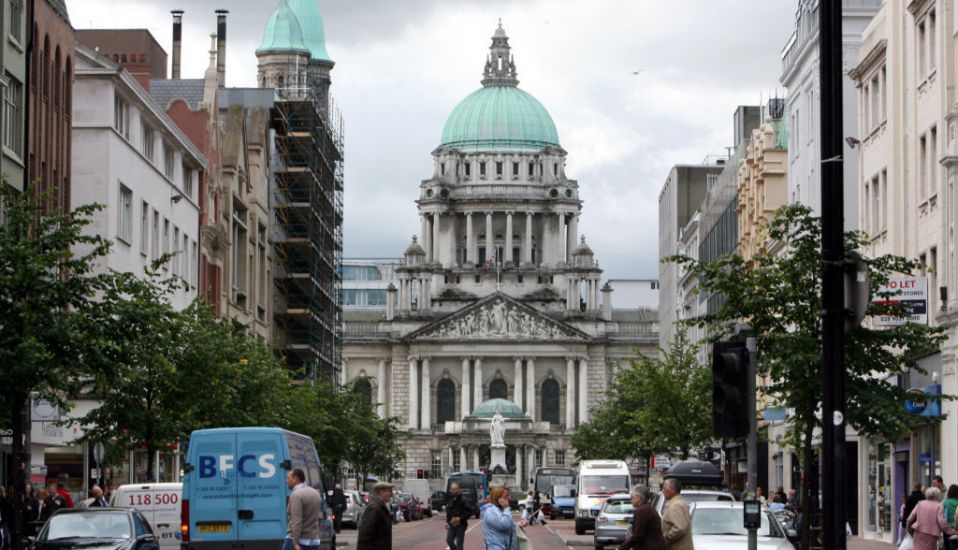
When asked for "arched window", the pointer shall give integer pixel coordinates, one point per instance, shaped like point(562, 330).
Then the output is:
point(550, 401)
point(445, 401)
point(57, 79)
point(498, 389)
point(68, 88)
point(46, 68)
point(364, 389)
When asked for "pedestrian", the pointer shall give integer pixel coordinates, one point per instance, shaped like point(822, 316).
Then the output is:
point(375, 530)
point(646, 532)
point(759, 496)
point(926, 523)
point(6, 517)
point(776, 504)
point(338, 504)
point(458, 512)
point(939, 483)
point(99, 501)
point(303, 508)
point(676, 519)
point(951, 504)
point(50, 503)
point(736, 493)
point(67, 497)
point(901, 519)
point(498, 529)
point(30, 505)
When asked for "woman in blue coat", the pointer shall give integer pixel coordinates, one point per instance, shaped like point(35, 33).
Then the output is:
point(498, 529)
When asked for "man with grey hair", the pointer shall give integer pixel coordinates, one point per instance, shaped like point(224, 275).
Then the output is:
point(646, 532)
point(676, 518)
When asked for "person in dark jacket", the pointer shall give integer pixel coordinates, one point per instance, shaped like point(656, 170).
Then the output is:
point(30, 505)
point(458, 511)
point(646, 531)
point(375, 531)
point(50, 502)
point(338, 503)
point(916, 496)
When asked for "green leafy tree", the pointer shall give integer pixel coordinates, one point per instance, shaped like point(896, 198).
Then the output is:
point(655, 405)
point(322, 412)
point(374, 442)
point(779, 296)
point(48, 286)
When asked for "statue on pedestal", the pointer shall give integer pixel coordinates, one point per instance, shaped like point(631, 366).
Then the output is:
point(497, 430)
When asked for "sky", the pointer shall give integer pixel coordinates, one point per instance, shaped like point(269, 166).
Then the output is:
point(403, 65)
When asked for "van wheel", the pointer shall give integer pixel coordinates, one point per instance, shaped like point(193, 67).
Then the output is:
point(579, 530)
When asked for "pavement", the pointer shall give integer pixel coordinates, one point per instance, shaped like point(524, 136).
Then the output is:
point(869, 544)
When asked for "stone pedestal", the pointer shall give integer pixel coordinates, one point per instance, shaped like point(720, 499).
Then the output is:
point(498, 457)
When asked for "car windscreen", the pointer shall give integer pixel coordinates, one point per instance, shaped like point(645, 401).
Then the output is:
point(617, 507)
point(563, 491)
point(728, 521)
point(87, 525)
point(604, 484)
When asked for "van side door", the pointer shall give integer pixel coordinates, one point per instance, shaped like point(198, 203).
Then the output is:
point(262, 487)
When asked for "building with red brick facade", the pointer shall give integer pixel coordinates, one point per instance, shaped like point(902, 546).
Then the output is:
point(50, 61)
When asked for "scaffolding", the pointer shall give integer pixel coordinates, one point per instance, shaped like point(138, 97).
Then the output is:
point(308, 236)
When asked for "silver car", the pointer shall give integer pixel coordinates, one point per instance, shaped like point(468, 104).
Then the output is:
point(354, 508)
point(612, 524)
point(693, 495)
point(718, 525)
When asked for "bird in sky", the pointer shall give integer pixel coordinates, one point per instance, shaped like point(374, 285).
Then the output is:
point(636, 73)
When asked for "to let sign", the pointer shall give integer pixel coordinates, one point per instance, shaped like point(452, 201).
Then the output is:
point(908, 293)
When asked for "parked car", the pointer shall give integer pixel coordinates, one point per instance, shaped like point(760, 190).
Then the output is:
point(717, 525)
point(612, 524)
point(410, 511)
point(419, 488)
point(693, 495)
point(96, 528)
point(354, 509)
point(438, 499)
point(562, 501)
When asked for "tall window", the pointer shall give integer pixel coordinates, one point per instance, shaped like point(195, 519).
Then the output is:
point(876, 92)
point(456, 465)
point(185, 252)
point(148, 142)
point(884, 198)
point(16, 19)
point(166, 237)
point(262, 279)
point(498, 389)
point(933, 279)
point(560, 457)
point(550, 401)
point(537, 458)
point(194, 253)
point(176, 251)
point(435, 468)
point(445, 401)
point(168, 160)
point(155, 248)
point(482, 169)
point(515, 169)
point(364, 390)
point(13, 116)
point(121, 117)
point(933, 160)
point(468, 169)
point(124, 228)
point(876, 221)
point(144, 228)
point(932, 41)
point(499, 168)
point(532, 169)
point(923, 166)
point(240, 242)
point(884, 92)
point(187, 181)
point(922, 52)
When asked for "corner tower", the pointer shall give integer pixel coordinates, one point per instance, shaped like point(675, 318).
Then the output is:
point(499, 213)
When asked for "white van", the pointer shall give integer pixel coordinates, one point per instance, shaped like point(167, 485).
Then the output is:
point(160, 505)
point(419, 488)
point(596, 480)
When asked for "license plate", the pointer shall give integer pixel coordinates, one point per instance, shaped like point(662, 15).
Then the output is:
point(214, 528)
point(621, 522)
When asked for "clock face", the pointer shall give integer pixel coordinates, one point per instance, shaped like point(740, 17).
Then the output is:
point(44, 410)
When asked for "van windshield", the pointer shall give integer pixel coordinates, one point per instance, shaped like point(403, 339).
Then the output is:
point(604, 485)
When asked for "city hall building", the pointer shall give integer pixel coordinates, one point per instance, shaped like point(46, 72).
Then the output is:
point(498, 305)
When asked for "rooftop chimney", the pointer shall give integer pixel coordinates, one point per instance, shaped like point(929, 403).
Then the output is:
point(221, 47)
point(177, 41)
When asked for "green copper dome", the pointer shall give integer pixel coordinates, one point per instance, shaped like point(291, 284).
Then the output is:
point(496, 118)
point(311, 21)
point(488, 408)
point(283, 32)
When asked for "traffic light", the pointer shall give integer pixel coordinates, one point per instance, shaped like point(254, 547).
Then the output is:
point(420, 474)
point(729, 389)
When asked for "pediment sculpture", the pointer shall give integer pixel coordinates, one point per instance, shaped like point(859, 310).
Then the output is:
point(499, 319)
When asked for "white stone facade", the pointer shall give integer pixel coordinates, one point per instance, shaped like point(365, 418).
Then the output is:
point(131, 158)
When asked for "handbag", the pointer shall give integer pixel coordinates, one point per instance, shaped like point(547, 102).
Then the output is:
point(523, 539)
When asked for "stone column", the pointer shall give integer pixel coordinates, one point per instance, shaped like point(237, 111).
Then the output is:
point(570, 393)
point(571, 236)
point(475, 458)
point(452, 460)
point(507, 245)
point(559, 242)
point(343, 376)
point(571, 300)
point(520, 450)
point(527, 240)
point(531, 464)
point(583, 390)
point(490, 239)
point(435, 238)
point(590, 304)
point(391, 302)
point(477, 389)
point(426, 422)
point(413, 394)
point(464, 390)
point(517, 385)
point(427, 236)
point(595, 294)
point(462, 459)
point(425, 303)
point(381, 388)
point(470, 240)
point(453, 241)
point(531, 387)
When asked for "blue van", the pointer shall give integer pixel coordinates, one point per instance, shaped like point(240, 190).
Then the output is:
point(234, 488)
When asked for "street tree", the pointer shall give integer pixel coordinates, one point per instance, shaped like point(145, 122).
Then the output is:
point(48, 285)
point(779, 296)
point(321, 411)
point(374, 447)
point(655, 405)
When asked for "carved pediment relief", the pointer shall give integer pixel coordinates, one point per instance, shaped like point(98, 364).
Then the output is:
point(498, 318)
